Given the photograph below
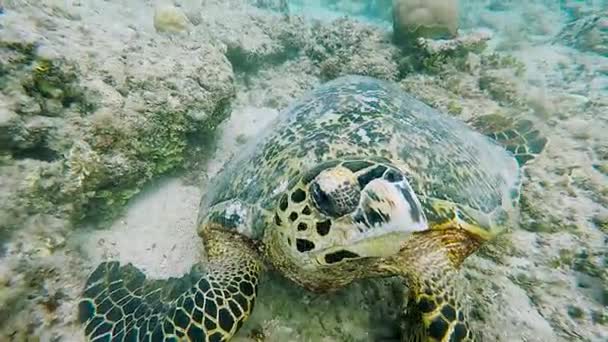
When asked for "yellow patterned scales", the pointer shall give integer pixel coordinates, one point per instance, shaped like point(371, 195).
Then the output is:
point(355, 180)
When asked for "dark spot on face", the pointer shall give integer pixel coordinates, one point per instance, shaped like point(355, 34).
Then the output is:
point(306, 210)
point(459, 333)
point(460, 316)
point(359, 218)
point(283, 202)
point(338, 256)
point(304, 245)
point(302, 226)
point(393, 176)
point(414, 212)
point(293, 216)
point(289, 241)
point(372, 174)
point(438, 328)
point(298, 196)
point(277, 220)
point(426, 305)
point(323, 227)
point(375, 217)
point(448, 312)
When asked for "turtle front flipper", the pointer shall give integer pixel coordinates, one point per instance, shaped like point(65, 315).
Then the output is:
point(518, 136)
point(428, 263)
point(208, 304)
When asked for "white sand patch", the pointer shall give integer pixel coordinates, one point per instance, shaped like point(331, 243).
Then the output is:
point(156, 233)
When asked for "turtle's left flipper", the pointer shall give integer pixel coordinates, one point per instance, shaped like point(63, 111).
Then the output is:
point(519, 136)
point(120, 304)
point(429, 264)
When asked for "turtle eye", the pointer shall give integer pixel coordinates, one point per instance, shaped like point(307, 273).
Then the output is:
point(322, 201)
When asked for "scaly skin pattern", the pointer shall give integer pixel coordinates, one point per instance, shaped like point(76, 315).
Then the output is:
point(120, 304)
point(428, 263)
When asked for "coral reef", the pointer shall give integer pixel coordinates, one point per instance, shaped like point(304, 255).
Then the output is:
point(336, 47)
point(86, 129)
point(346, 47)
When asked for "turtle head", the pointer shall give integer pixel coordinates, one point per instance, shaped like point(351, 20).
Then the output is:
point(342, 211)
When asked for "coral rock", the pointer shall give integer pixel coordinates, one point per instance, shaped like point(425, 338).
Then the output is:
point(427, 19)
point(170, 19)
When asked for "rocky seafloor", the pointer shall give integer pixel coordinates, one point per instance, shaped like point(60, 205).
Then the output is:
point(113, 118)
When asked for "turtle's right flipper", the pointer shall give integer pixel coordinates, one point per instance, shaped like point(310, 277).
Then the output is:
point(519, 136)
point(120, 304)
point(428, 263)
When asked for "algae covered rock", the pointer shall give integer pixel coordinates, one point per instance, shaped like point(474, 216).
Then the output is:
point(424, 18)
point(253, 37)
point(168, 18)
point(85, 121)
point(344, 46)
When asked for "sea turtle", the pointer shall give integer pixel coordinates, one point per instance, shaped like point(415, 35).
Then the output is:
point(357, 179)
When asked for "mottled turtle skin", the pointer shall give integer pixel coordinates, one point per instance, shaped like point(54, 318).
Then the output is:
point(356, 179)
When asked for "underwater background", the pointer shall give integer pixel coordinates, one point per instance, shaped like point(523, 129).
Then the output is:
point(115, 114)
